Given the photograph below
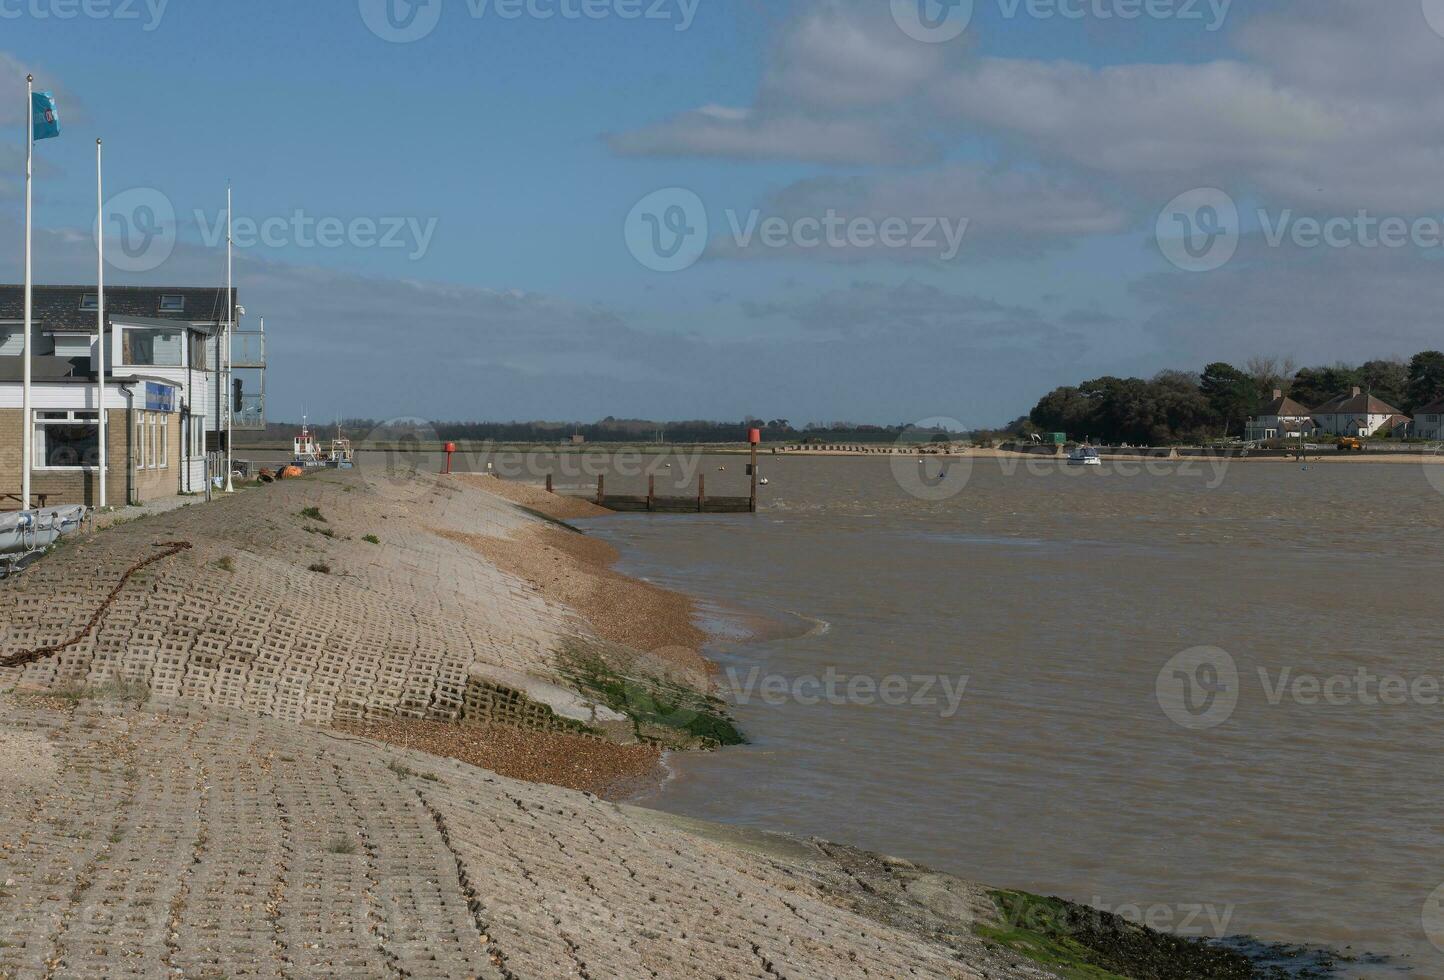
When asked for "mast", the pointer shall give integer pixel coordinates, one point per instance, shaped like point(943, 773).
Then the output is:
point(27, 428)
point(230, 327)
point(100, 313)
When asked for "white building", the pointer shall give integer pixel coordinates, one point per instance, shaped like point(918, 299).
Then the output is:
point(1429, 421)
point(161, 406)
point(1357, 414)
point(1282, 418)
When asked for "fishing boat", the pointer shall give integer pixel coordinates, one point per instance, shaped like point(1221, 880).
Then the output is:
point(1084, 456)
point(341, 456)
point(306, 451)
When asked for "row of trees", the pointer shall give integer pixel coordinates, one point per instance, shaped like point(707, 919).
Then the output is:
point(613, 430)
point(1178, 407)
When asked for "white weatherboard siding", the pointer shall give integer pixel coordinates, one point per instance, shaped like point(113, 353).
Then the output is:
point(62, 397)
point(193, 390)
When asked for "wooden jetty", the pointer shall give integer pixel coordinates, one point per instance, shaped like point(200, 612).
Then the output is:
point(650, 503)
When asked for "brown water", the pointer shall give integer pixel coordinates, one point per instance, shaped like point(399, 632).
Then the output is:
point(1061, 595)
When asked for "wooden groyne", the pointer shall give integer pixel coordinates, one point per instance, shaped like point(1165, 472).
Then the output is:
point(651, 503)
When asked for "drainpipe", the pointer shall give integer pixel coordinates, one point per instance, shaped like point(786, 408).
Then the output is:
point(130, 491)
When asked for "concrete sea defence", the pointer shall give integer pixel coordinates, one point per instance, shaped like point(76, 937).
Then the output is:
point(225, 776)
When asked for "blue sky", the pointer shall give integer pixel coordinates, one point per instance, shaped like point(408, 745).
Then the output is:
point(519, 146)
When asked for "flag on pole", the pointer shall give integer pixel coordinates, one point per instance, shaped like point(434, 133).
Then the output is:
point(47, 119)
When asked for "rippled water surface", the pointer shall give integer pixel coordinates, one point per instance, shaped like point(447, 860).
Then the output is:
point(1060, 595)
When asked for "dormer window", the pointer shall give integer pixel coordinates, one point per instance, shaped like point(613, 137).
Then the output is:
point(89, 303)
point(172, 303)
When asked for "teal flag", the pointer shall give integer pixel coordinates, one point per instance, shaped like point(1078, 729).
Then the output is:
point(47, 119)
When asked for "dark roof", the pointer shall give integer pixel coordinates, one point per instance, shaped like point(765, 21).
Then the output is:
point(1285, 406)
point(58, 307)
point(41, 369)
point(1435, 407)
point(51, 370)
point(1356, 405)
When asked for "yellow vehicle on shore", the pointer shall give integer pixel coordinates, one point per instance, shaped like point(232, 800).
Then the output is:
point(1349, 443)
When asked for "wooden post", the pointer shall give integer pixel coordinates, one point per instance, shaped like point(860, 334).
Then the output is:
point(549, 483)
point(651, 491)
point(754, 478)
point(601, 490)
point(701, 493)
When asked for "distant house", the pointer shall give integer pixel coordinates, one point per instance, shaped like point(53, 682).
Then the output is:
point(1429, 421)
point(1281, 418)
point(1357, 414)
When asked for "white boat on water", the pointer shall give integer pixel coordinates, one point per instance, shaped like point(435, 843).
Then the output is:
point(1084, 456)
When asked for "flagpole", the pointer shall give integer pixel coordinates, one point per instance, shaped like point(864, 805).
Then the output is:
point(27, 429)
point(230, 326)
point(100, 309)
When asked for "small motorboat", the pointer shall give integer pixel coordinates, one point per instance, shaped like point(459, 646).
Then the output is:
point(764, 482)
point(1084, 456)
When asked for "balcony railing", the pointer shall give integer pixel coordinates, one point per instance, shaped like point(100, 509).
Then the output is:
point(252, 414)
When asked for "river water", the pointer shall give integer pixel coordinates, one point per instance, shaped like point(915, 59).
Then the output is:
point(1206, 696)
point(1299, 804)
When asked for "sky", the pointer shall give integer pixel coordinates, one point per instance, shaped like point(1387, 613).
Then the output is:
point(819, 210)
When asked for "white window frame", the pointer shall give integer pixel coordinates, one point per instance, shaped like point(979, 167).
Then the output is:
point(178, 329)
point(37, 445)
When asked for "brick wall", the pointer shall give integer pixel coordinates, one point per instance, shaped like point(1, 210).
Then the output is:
point(78, 487)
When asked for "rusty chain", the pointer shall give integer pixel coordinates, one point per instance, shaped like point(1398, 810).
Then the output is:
point(171, 549)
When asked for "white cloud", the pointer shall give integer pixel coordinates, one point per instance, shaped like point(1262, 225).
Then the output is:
point(743, 134)
point(835, 78)
point(1339, 106)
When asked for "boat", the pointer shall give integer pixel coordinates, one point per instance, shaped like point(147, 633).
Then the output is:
point(341, 456)
point(1084, 456)
point(24, 535)
point(305, 450)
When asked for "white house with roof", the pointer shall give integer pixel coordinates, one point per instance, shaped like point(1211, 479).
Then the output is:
point(1429, 421)
point(1281, 418)
point(1359, 415)
point(160, 398)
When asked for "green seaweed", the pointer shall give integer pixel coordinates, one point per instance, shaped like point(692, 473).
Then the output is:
point(1038, 928)
point(1082, 943)
point(661, 711)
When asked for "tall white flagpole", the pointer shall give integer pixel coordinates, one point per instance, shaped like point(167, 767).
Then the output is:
point(230, 326)
point(100, 314)
point(27, 429)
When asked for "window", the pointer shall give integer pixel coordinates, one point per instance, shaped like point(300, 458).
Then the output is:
point(142, 459)
point(73, 345)
point(89, 303)
point(172, 303)
point(154, 348)
point(67, 440)
point(198, 348)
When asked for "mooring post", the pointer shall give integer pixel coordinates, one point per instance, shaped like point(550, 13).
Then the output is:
point(702, 493)
point(754, 436)
point(601, 493)
point(651, 490)
point(549, 483)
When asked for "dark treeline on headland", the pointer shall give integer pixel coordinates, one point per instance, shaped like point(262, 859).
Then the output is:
point(1182, 407)
point(614, 430)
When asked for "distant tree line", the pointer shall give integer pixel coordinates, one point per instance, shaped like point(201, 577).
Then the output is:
point(612, 430)
point(1180, 407)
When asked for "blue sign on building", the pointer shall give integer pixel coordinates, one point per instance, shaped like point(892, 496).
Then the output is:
point(159, 398)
